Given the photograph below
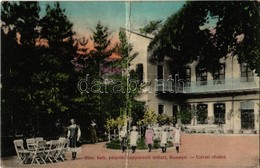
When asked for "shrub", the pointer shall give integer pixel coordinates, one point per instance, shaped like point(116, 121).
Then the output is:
point(156, 144)
point(141, 144)
point(114, 144)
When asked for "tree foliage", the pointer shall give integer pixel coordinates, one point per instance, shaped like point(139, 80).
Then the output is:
point(185, 36)
point(152, 27)
point(19, 32)
point(42, 64)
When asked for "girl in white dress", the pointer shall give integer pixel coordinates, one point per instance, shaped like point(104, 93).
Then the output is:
point(133, 139)
point(177, 138)
point(122, 138)
point(164, 137)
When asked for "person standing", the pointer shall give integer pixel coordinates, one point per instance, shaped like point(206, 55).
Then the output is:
point(74, 134)
point(149, 135)
point(122, 138)
point(177, 138)
point(164, 138)
point(94, 138)
point(133, 139)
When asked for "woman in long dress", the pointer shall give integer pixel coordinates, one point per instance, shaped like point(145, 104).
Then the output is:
point(74, 134)
point(149, 135)
point(133, 139)
point(94, 138)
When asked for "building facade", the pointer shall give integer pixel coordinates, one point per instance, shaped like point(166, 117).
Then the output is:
point(227, 97)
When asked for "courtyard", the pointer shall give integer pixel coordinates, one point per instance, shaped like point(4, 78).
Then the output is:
point(197, 151)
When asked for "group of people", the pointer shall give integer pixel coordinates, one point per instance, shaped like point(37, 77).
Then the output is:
point(74, 134)
point(149, 138)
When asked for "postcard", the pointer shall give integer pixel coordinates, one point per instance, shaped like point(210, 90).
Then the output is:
point(132, 84)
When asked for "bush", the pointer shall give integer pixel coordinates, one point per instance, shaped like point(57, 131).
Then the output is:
point(156, 144)
point(141, 144)
point(114, 144)
point(169, 144)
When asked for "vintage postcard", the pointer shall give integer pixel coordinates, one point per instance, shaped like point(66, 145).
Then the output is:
point(130, 84)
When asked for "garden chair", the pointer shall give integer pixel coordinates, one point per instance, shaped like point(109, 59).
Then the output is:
point(22, 154)
point(39, 152)
point(39, 139)
point(51, 151)
point(62, 149)
point(30, 144)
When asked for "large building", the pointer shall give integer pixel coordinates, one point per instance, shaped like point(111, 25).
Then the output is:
point(228, 97)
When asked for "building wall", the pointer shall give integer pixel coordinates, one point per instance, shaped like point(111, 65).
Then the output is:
point(232, 94)
point(140, 45)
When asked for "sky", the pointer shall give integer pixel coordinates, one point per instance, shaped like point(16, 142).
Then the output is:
point(114, 14)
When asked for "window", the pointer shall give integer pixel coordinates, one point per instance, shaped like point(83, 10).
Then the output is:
point(202, 113)
point(219, 75)
point(219, 113)
point(246, 73)
point(185, 75)
point(160, 72)
point(247, 115)
point(160, 82)
point(201, 76)
point(140, 72)
point(160, 109)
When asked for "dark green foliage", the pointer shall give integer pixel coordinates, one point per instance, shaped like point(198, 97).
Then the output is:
point(169, 144)
point(55, 26)
point(185, 116)
point(185, 36)
point(156, 144)
point(39, 80)
point(141, 144)
point(152, 27)
point(114, 144)
point(18, 63)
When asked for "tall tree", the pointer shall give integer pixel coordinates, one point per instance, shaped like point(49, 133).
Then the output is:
point(184, 38)
point(19, 32)
point(127, 79)
point(55, 81)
